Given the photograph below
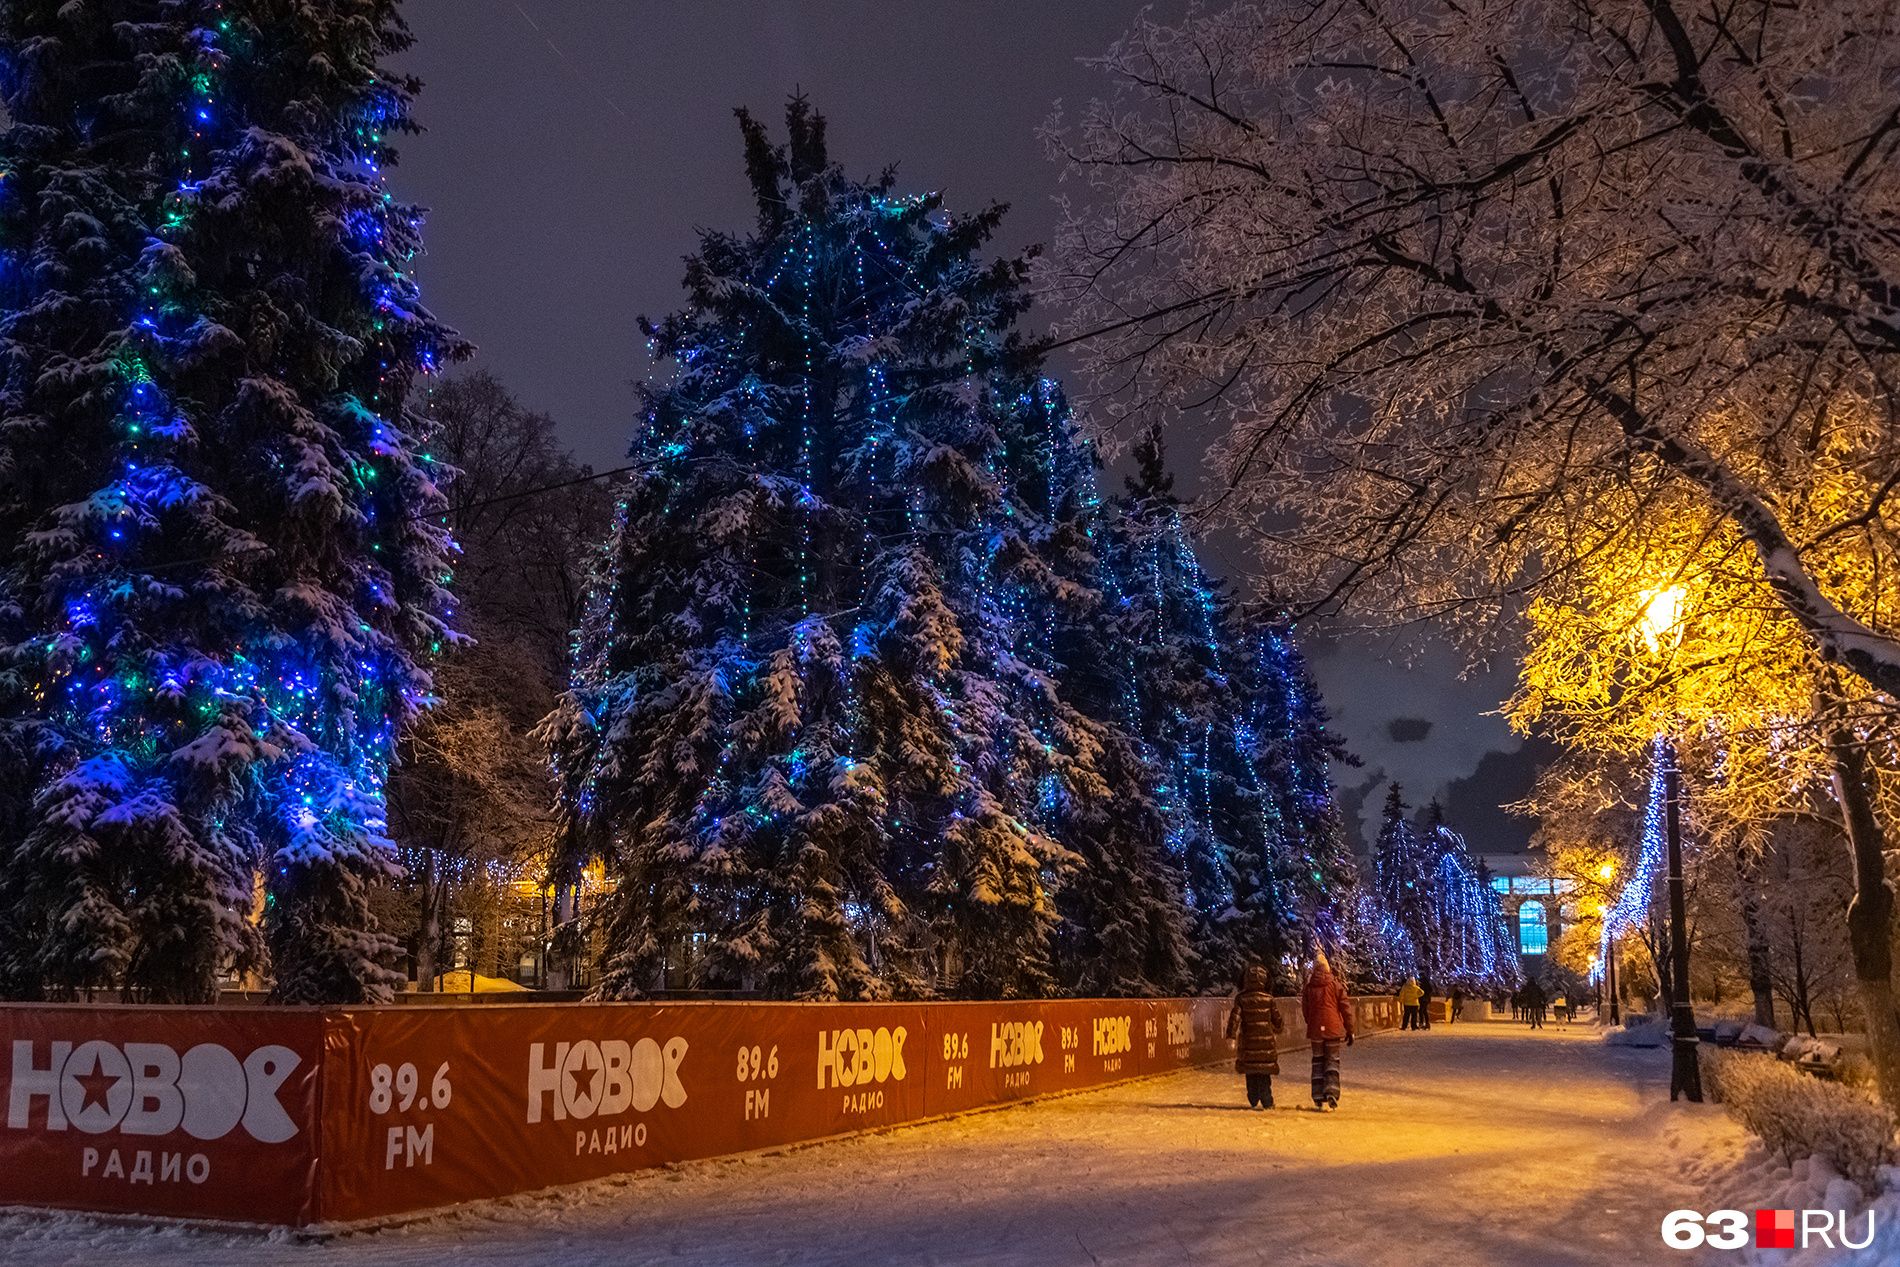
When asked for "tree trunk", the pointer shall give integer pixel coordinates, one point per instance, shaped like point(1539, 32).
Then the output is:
point(1657, 944)
point(1869, 915)
point(430, 937)
point(1798, 1001)
point(1761, 977)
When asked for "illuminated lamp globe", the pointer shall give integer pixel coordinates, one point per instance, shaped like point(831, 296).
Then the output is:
point(1662, 615)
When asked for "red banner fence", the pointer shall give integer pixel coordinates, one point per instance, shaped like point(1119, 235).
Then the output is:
point(298, 1116)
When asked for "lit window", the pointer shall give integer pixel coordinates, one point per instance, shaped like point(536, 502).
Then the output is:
point(1533, 934)
point(1502, 884)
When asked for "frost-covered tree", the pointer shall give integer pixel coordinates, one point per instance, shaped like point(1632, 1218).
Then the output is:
point(469, 804)
point(1484, 291)
point(818, 727)
point(1453, 274)
point(220, 583)
point(1672, 630)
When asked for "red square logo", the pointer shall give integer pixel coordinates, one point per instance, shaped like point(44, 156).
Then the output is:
point(1774, 1229)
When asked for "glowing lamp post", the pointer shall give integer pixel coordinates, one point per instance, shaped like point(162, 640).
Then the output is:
point(1607, 873)
point(1662, 622)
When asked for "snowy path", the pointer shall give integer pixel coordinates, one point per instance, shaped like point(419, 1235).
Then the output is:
point(1467, 1144)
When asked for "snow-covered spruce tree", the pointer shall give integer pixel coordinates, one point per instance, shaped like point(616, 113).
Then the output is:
point(1126, 925)
point(1289, 748)
point(1226, 718)
point(1437, 915)
point(1403, 866)
point(1470, 944)
point(219, 584)
point(813, 727)
point(1158, 665)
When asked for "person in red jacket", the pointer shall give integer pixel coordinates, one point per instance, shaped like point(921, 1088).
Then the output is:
point(1328, 1028)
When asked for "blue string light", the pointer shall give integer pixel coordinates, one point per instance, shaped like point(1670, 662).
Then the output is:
point(1631, 908)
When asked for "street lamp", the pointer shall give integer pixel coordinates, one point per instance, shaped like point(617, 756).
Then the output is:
point(1662, 616)
point(1662, 623)
point(1607, 873)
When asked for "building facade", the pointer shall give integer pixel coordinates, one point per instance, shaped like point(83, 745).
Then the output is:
point(1533, 907)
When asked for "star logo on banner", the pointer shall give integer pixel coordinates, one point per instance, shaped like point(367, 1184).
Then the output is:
point(592, 1070)
point(97, 1085)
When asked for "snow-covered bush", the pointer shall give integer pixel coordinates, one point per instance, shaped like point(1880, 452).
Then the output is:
point(1639, 1031)
point(1857, 1072)
point(1800, 1116)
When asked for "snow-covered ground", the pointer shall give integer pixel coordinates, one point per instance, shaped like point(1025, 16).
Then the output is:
point(1467, 1144)
point(1739, 1174)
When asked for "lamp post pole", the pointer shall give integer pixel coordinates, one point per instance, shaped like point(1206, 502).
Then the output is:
point(1685, 1075)
point(1609, 979)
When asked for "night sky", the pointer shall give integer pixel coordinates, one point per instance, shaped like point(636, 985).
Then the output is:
point(573, 147)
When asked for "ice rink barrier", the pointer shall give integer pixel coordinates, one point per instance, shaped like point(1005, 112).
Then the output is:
point(303, 1116)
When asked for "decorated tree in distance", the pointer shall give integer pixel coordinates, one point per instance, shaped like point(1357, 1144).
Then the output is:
point(1470, 944)
point(818, 727)
point(1402, 865)
point(1436, 912)
point(220, 583)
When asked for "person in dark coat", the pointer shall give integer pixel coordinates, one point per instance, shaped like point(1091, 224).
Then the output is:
point(1255, 1021)
point(1328, 1028)
point(1534, 1003)
point(1457, 1004)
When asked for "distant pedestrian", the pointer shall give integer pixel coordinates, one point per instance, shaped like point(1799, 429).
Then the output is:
point(1457, 1004)
point(1425, 1001)
point(1409, 995)
point(1328, 1028)
point(1534, 1003)
point(1562, 1007)
point(1517, 1004)
point(1255, 1021)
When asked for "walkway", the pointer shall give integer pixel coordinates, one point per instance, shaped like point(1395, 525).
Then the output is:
point(1466, 1144)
